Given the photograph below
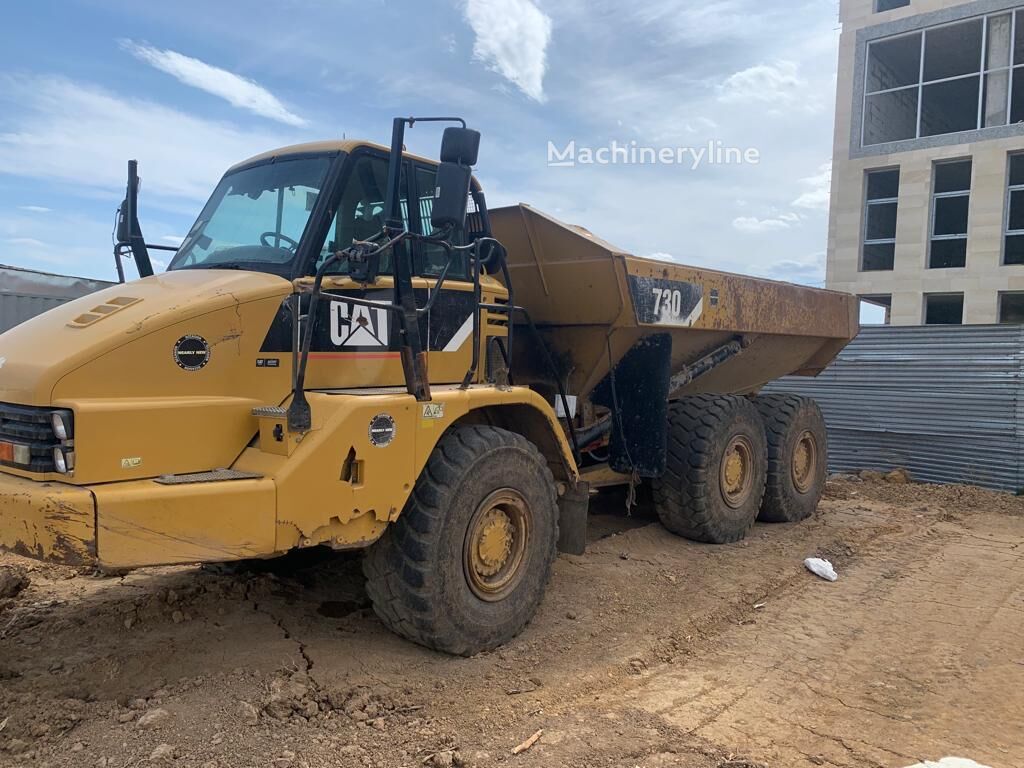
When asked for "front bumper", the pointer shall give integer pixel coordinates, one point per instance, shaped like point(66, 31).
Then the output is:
point(47, 520)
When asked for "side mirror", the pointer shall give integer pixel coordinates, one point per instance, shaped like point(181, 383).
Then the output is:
point(459, 150)
point(124, 229)
point(451, 196)
point(460, 145)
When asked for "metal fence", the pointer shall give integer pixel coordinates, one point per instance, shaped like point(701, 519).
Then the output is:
point(25, 293)
point(945, 402)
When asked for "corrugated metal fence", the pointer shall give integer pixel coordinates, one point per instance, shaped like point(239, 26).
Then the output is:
point(945, 402)
point(25, 293)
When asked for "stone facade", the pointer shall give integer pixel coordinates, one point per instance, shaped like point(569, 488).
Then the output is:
point(984, 278)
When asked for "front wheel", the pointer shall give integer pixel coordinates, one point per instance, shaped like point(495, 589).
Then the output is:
point(465, 566)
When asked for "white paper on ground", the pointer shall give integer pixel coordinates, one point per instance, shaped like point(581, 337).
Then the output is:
point(822, 568)
point(949, 762)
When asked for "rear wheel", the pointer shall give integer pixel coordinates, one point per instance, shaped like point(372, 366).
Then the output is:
point(797, 457)
point(715, 472)
point(465, 566)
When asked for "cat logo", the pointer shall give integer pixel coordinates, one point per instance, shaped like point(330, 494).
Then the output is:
point(354, 325)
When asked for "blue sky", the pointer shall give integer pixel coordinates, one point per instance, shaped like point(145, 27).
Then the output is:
point(189, 88)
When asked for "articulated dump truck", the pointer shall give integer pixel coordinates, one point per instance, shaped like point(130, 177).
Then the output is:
point(349, 350)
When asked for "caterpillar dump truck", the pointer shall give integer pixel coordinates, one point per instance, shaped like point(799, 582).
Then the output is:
point(349, 350)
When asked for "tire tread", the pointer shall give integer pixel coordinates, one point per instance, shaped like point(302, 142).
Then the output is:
point(399, 566)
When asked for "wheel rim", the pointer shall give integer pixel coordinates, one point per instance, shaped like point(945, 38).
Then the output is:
point(737, 471)
point(494, 552)
point(805, 462)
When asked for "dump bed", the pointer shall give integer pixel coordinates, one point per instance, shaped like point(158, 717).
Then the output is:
point(594, 302)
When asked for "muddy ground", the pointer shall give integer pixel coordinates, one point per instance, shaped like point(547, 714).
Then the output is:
point(648, 651)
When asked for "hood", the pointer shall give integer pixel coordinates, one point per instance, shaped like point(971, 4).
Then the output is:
point(37, 353)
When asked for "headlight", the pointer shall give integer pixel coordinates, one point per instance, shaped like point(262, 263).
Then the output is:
point(63, 460)
point(62, 424)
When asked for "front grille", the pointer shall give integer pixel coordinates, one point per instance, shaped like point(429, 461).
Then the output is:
point(29, 426)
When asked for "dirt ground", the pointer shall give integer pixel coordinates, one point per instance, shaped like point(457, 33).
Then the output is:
point(648, 651)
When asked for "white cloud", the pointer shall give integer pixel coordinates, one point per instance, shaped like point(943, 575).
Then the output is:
point(29, 241)
point(699, 125)
point(234, 89)
point(809, 271)
point(754, 224)
point(34, 208)
point(672, 22)
point(76, 133)
point(173, 239)
point(512, 37)
point(772, 83)
point(817, 196)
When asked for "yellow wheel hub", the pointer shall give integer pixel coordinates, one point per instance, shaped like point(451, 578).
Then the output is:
point(495, 549)
point(734, 472)
point(495, 543)
point(805, 462)
point(736, 476)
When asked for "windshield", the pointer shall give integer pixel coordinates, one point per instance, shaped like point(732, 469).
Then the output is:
point(256, 217)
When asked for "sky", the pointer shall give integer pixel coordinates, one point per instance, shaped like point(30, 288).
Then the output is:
point(189, 88)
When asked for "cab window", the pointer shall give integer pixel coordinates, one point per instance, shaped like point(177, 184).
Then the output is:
point(361, 210)
point(431, 258)
point(255, 217)
point(361, 213)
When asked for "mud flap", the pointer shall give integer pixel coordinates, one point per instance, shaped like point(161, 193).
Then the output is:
point(572, 519)
point(637, 394)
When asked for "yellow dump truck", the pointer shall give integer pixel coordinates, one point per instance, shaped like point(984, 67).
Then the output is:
point(350, 350)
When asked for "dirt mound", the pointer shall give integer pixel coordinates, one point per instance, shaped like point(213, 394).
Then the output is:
point(948, 499)
point(12, 582)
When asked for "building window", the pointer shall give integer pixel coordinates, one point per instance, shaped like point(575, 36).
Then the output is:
point(943, 309)
point(951, 201)
point(1011, 307)
point(880, 208)
point(1013, 250)
point(955, 77)
point(875, 310)
point(888, 5)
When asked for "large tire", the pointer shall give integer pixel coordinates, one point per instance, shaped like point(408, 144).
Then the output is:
point(797, 457)
point(701, 496)
point(464, 567)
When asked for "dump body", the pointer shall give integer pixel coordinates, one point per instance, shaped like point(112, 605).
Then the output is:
point(593, 302)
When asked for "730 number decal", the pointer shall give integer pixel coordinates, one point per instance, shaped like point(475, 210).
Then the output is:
point(667, 301)
point(660, 301)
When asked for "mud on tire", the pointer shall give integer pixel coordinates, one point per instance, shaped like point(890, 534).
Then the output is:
point(797, 457)
point(698, 496)
point(420, 577)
